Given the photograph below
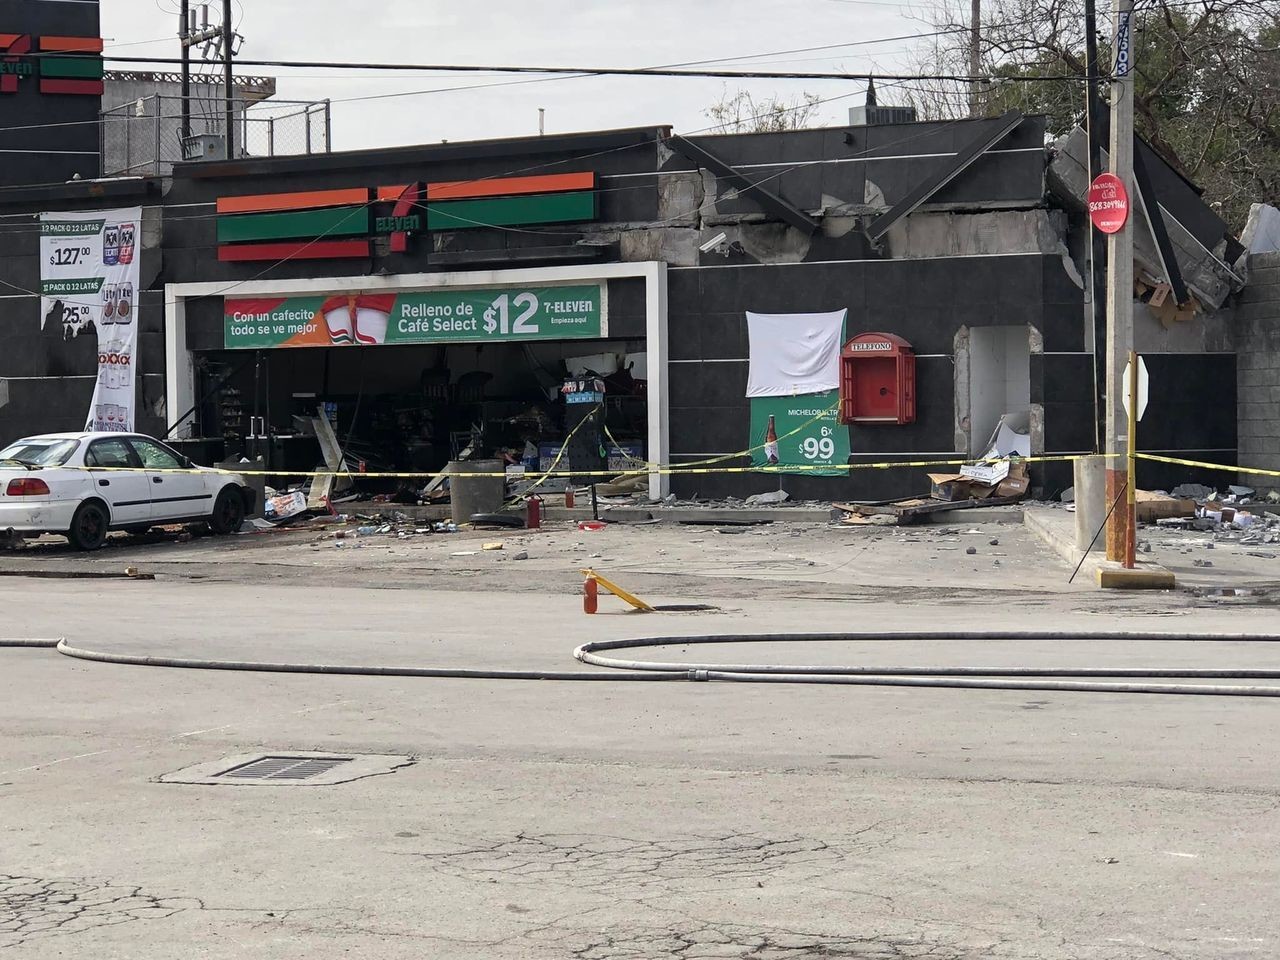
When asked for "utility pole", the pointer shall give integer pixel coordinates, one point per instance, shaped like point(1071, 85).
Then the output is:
point(1120, 527)
point(184, 34)
point(1097, 239)
point(975, 58)
point(192, 37)
point(228, 37)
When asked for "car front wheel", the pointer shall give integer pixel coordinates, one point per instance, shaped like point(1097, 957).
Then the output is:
point(228, 512)
point(88, 527)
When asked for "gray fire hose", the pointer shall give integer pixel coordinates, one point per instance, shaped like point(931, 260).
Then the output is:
point(997, 678)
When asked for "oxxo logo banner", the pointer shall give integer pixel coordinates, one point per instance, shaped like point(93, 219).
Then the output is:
point(437, 316)
point(89, 280)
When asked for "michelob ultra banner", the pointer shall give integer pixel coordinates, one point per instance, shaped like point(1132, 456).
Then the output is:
point(463, 315)
point(799, 431)
point(89, 284)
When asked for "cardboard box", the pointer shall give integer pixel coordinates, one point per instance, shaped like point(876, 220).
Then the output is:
point(992, 473)
point(1013, 486)
point(949, 486)
point(1153, 507)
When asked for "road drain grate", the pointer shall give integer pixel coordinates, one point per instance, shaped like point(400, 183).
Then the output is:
point(284, 768)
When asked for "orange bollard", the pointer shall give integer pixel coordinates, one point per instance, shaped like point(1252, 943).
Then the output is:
point(590, 595)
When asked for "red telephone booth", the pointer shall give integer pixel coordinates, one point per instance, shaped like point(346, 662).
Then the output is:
point(877, 380)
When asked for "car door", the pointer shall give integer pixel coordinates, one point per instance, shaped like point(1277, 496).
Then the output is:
point(177, 492)
point(124, 486)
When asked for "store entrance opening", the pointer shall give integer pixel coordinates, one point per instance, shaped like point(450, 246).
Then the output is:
point(413, 408)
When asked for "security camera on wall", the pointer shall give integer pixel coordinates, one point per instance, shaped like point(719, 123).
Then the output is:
point(714, 242)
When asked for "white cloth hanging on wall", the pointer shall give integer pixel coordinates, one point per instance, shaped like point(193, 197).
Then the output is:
point(793, 353)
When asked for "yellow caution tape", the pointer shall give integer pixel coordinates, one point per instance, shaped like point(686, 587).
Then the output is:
point(668, 470)
point(1209, 466)
point(695, 468)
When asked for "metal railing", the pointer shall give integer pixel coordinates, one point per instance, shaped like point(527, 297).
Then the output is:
point(144, 137)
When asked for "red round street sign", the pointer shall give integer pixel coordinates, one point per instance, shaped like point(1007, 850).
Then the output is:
point(1108, 203)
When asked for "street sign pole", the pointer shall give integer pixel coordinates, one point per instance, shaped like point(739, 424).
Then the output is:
point(1131, 512)
point(1120, 282)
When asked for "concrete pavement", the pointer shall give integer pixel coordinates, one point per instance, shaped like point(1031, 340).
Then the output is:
point(553, 820)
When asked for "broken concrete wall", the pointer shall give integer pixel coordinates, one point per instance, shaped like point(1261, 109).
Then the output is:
point(976, 234)
point(1258, 370)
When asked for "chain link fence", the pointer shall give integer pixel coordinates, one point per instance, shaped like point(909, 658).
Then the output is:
point(144, 137)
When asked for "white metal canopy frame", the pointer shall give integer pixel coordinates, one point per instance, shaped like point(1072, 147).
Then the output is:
point(180, 370)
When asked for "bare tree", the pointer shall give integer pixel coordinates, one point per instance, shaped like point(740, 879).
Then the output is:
point(1207, 91)
point(742, 113)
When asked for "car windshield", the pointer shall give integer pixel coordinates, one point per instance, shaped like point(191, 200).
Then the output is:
point(39, 452)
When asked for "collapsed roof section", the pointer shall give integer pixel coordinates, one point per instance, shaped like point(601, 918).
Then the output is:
point(1197, 248)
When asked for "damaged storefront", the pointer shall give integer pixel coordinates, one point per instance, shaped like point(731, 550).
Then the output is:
point(719, 316)
point(326, 333)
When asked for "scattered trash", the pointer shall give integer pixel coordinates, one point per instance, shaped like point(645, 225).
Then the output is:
point(1202, 563)
point(285, 505)
point(497, 545)
point(592, 525)
point(464, 553)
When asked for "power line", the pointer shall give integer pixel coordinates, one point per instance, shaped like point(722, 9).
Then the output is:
point(586, 71)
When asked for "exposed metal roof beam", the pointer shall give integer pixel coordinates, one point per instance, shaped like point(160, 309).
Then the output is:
point(771, 202)
point(963, 159)
point(1159, 233)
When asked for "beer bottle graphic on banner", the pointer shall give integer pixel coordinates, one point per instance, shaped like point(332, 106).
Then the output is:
point(124, 303)
point(771, 440)
point(128, 235)
point(111, 245)
point(108, 303)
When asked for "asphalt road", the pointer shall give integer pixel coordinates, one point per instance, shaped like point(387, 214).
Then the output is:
point(610, 821)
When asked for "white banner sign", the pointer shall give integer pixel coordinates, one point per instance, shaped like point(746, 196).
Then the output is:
point(794, 353)
point(89, 283)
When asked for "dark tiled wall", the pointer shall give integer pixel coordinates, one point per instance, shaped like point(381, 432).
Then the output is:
point(925, 301)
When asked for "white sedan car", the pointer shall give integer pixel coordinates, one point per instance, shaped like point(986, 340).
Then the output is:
point(83, 485)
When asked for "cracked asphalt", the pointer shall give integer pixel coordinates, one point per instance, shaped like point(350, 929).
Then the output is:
point(619, 821)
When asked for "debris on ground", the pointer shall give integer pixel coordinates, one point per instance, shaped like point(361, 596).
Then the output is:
point(992, 485)
point(284, 506)
point(1153, 506)
point(762, 499)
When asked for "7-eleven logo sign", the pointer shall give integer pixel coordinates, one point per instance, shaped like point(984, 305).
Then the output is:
point(13, 46)
point(67, 65)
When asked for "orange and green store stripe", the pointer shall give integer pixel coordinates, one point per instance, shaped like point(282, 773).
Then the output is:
point(336, 224)
point(71, 65)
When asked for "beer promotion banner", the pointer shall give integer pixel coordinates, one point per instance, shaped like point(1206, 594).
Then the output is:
point(465, 315)
point(821, 441)
point(89, 283)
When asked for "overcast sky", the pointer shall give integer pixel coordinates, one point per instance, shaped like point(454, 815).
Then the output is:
point(627, 33)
